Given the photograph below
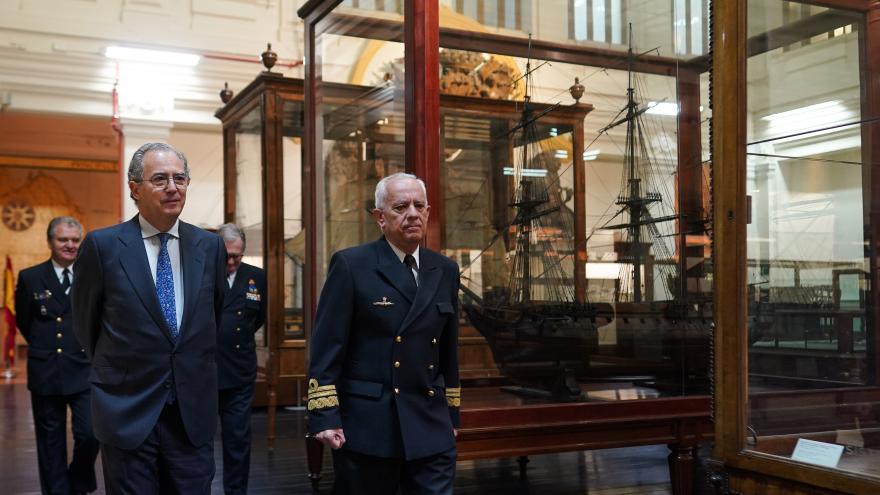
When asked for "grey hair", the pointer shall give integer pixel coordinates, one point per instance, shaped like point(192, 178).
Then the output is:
point(69, 221)
point(136, 166)
point(231, 232)
point(382, 187)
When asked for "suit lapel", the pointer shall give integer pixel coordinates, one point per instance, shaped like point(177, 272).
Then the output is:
point(393, 271)
point(192, 260)
point(429, 280)
point(133, 258)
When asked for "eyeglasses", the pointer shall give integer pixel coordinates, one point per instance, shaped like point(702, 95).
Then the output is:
point(160, 181)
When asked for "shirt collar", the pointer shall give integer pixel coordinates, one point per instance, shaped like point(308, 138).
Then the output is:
point(400, 254)
point(147, 229)
point(59, 270)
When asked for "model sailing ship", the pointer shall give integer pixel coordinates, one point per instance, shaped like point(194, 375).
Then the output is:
point(542, 337)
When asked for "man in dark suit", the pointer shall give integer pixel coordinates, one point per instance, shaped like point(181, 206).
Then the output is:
point(244, 311)
point(147, 306)
point(383, 388)
point(57, 366)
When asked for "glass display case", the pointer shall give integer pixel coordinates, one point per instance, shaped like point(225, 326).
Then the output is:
point(262, 136)
point(566, 162)
point(795, 232)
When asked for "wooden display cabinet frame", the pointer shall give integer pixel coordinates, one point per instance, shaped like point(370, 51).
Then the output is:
point(741, 470)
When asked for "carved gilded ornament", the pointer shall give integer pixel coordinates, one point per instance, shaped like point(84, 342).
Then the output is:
point(18, 215)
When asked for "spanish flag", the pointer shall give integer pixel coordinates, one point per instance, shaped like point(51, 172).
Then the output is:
point(9, 303)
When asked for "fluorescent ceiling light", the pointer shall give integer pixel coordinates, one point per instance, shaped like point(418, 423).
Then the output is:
point(151, 56)
point(591, 154)
point(603, 271)
point(815, 119)
point(561, 154)
point(802, 111)
point(662, 108)
point(527, 172)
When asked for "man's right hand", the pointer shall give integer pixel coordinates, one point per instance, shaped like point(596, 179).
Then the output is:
point(331, 438)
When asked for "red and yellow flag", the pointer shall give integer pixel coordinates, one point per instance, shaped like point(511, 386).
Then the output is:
point(9, 303)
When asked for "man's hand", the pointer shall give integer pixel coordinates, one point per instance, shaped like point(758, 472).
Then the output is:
point(331, 438)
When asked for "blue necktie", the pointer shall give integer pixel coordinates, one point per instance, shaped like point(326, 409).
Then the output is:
point(165, 285)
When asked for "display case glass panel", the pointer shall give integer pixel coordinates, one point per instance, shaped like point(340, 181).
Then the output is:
point(294, 234)
point(812, 348)
point(583, 239)
point(360, 81)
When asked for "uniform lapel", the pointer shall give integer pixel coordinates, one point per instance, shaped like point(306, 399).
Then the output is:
point(393, 271)
point(429, 280)
point(192, 260)
point(50, 281)
point(133, 258)
point(233, 292)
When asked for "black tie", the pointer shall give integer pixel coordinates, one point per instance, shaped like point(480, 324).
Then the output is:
point(409, 261)
point(65, 282)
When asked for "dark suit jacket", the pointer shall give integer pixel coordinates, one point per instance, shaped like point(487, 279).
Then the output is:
point(135, 363)
point(244, 311)
point(56, 364)
point(384, 363)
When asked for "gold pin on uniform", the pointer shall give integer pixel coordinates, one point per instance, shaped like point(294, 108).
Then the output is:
point(383, 303)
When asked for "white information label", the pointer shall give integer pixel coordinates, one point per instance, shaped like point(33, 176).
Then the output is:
point(819, 453)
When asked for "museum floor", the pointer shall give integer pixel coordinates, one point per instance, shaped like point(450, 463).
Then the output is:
point(627, 471)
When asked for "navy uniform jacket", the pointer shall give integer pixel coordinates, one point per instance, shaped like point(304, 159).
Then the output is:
point(56, 364)
point(244, 311)
point(383, 365)
point(135, 363)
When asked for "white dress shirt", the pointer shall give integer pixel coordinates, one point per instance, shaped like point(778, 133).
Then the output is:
point(230, 278)
point(59, 272)
point(400, 255)
point(152, 244)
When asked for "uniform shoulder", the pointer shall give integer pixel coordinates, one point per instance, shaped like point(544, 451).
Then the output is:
point(357, 254)
point(251, 269)
point(33, 271)
point(439, 259)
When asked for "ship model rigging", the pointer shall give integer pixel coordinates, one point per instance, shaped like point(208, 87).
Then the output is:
point(545, 340)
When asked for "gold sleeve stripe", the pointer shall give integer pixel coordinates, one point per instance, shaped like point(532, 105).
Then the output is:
point(453, 392)
point(323, 390)
point(323, 403)
point(453, 401)
point(327, 393)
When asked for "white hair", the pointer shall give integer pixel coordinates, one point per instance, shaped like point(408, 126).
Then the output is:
point(382, 191)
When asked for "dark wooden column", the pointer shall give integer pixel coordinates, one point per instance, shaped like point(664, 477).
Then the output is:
point(690, 180)
point(422, 66)
point(580, 213)
point(871, 179)
point(728, 180)
point(230, 181)
point(273, 246)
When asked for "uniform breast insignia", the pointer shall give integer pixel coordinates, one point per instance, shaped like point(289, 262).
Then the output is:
point(322, 396)
point(253, 294)
point(384, 303)
point(42, 296)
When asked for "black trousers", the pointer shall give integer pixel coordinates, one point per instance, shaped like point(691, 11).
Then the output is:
point(359, 474)
point(235, 430)
point(166, 463)
point(50, 427)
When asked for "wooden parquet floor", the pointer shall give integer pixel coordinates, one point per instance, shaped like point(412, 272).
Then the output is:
point(629, 471)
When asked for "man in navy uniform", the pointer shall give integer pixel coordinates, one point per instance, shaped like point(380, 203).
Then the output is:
point(147, 304)
point(57, 366)
point(383, 388)
point(244, 311)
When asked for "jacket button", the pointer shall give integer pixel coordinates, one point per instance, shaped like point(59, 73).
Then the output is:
point(433, 341)
point(59, 319)
point(398, 339)
point(59, 350)
point(237, 346)
point(237, 329)
point(430, 367)
point(430, 392)
point(397, 364)
point(167, 383)
point(238, 313)
point(59, 335)
point(396, 391)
